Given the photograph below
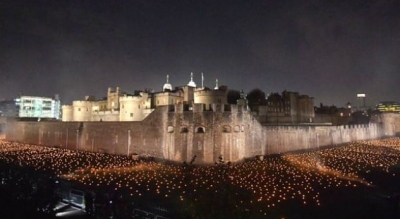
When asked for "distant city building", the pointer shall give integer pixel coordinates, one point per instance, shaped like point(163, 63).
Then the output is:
point(333, 115)
point(388, 106)
point(8, 108)
point(38, 107)
point(289, 107)
point(361, 101)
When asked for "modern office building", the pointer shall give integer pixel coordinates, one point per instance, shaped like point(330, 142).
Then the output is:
point(388, 106)
point(38, 107)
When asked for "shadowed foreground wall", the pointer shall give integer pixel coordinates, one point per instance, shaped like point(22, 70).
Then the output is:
point(173, 133)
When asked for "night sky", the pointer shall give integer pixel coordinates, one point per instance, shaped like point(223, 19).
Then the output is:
point(330, 50)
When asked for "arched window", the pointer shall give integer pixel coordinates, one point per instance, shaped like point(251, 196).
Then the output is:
point(184, 130)
point(170, 129)
point(226, 129)
point(237, 128)
point(200, 129)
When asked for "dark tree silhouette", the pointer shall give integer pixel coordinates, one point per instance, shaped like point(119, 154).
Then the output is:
point(359, 117)
point(256, 98)
point(233, 96)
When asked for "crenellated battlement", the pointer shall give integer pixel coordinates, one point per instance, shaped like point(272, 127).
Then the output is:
point(130, 98)
point(81, 103)
point(200, 107)
point(105, 113)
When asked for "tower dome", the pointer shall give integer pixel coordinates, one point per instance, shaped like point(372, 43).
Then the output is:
point(191, 82)
point(167, 86)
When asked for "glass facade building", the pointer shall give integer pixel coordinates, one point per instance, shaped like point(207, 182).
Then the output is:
point(388, 106)
point(38, 107)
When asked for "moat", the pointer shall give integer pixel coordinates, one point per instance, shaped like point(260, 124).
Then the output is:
point(356, 180)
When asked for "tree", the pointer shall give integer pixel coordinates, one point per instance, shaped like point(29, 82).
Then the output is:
point(233, 96)
point(256, 97)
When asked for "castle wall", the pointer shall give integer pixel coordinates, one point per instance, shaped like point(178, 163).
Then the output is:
point(131, 109)
point(174, 133)
point(391, 123)
point(167, 98)
point(208, 97)
point(67, 113)
point(113, 98)
point(281, 139)
point(102, 116)
point(82, 110)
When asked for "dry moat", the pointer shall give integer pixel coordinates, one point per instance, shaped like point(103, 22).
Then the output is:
point(356, 180)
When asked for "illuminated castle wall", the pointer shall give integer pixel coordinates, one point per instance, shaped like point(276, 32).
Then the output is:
point(134, 108)
point(177, 133)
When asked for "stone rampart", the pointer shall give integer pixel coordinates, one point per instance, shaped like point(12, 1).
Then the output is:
point(179, 133)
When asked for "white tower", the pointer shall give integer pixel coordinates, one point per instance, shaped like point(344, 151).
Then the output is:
point(167, 86)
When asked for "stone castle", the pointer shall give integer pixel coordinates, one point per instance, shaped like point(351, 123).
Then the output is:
point(120, 106)
point(184, 123)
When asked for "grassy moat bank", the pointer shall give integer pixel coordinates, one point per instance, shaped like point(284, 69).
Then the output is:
point(358, 180)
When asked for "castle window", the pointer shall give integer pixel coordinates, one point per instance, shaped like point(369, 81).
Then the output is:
point(79, 109)
point(199, 146)
point(170, 129)
point(122, 106)
point(200, 130)
point(138, 106)
point(131, 114)
point(184, 130)
point(242, 128)
point(226, 129)
point(237, 128)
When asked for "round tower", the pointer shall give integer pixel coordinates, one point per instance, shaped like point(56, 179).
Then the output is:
point(82, 110)
point(67, 113)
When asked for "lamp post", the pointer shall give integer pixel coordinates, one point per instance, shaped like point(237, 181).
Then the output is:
point(77, 138)
point(92, 144)
point(40, 136)
point(129, 142)
point(66, 140)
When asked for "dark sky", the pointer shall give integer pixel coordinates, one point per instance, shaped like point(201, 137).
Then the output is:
point(330, 50)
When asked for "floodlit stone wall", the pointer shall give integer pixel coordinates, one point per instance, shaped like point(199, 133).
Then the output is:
point(177, 133)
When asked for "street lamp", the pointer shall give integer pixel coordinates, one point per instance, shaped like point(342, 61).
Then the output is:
point(77, 138)
point(129, 142)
